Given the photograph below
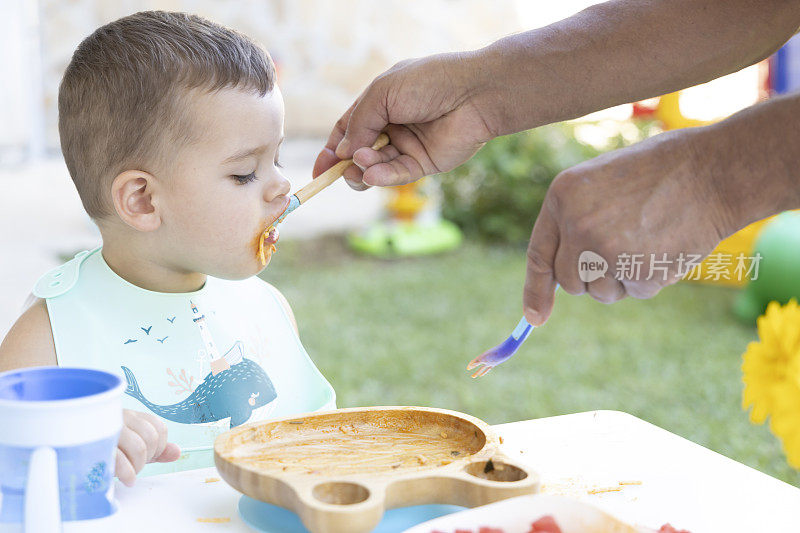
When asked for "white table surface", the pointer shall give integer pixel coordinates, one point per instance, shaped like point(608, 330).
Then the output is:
point(681, 482)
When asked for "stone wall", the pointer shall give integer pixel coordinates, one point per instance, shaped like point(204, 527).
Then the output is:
point(326, 50)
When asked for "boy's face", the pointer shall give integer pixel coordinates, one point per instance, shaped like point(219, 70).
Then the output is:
point(225, 189)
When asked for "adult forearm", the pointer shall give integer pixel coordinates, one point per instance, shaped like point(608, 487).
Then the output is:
point(622, 51)
point(753, 160)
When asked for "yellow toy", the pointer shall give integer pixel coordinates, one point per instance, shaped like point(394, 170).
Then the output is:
point(406, 201)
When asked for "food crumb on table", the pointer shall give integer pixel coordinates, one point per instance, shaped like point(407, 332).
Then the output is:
point(211, 480)
point(604, 489)
point(221, 520)
point(576, 486)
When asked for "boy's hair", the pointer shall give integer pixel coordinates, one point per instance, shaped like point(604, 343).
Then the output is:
point(122, 102)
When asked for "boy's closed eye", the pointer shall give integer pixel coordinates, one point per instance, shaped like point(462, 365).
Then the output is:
point(247, 178)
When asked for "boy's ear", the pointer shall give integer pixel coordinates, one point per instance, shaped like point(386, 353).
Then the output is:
point(132, 192)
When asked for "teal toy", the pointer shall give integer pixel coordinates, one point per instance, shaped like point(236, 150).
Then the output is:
point(779, 268)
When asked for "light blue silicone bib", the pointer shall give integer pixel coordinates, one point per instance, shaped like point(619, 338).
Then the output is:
point(203, 361)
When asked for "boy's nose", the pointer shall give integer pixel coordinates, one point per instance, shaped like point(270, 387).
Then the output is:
point(279, 186)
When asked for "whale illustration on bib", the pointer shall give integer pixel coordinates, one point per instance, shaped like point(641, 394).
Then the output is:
point(235, 387)
point(234, 392)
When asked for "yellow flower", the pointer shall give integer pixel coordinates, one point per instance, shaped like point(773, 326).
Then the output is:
point(771, 375)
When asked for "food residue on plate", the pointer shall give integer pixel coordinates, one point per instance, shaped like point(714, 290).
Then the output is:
point(211, 480)
point(221, 520)
point(367, 444)
point(547, 524)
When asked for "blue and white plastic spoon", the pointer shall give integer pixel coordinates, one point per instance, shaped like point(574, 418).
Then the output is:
point(502, 352)
point(325, 179)
point(489, 359)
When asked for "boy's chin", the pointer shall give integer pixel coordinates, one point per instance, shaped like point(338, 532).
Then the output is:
point(246, 271)
point(262, 268)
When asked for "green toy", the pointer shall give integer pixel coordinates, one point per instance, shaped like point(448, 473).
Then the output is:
point(398, 239)
point(779, 269)
point(405, 234)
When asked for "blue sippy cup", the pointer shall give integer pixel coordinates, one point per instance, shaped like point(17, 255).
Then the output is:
point(58, 437)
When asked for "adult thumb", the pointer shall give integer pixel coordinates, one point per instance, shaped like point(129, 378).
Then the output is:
point(540, 283)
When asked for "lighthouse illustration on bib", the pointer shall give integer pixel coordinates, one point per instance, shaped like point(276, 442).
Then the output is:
point(235, 387)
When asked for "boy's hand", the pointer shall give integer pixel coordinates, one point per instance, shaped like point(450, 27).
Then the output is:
point(143, 440)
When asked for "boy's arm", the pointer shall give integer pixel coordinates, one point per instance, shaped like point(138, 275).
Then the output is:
point(285, 304)
point(144, 436)
point(30, 340)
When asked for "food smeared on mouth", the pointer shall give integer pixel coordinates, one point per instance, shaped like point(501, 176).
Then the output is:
point(266, 244)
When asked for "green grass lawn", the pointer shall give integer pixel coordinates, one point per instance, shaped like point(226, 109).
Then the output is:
point(401, 332)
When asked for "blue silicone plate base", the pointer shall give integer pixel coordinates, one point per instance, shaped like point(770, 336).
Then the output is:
point(268, 518)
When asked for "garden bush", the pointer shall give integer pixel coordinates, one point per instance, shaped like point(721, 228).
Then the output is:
point(496, 195)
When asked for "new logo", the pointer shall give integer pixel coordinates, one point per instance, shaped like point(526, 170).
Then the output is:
point(591, 266)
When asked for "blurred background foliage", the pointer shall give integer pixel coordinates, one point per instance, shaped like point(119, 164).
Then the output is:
point(496, 195)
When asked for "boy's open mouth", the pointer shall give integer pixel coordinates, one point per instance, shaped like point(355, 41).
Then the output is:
point(271, 235)
point(266, 244)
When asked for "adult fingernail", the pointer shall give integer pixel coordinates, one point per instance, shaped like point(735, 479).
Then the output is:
point(356, 185)
point(343, 147)
point(532, 316)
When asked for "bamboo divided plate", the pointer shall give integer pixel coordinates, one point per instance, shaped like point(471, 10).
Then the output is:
point(339, 470)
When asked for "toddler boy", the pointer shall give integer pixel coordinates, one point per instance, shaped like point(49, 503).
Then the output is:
point(170, 127)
